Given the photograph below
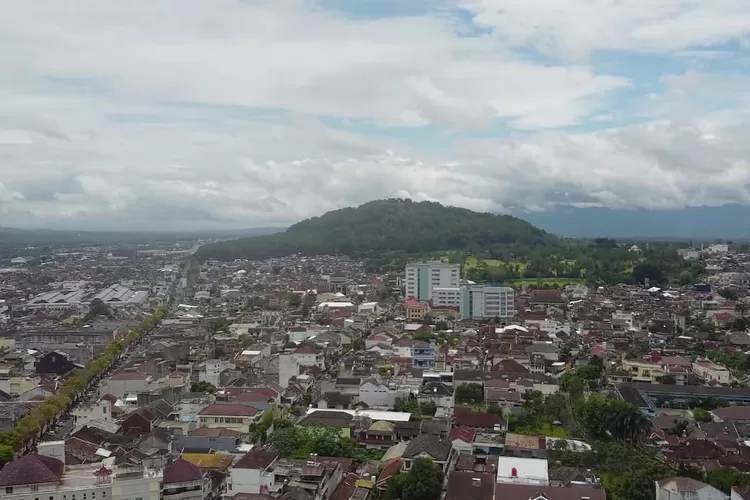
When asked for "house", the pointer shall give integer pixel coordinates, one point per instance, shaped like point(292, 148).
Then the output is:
point(185, 481)
point(708, 371)
point(414, 310)
point(54, 363)
point(737, 414)
point(379, 435)
point(520, 491)
point(127, 382)
point(403, 347)
point(476, 420)
point(207, 438)
point(438, 393)
point(378, 339)
point(424, 355)
point(468, 485)
point(376, 394)
point(461, 439)
point(685, 488)
point(253, 474)
point(335, 400)
point(235, 416)
point(309, 355)
point(440, 450)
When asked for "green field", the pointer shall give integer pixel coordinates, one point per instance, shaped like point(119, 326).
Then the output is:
point(559, 282)
point(546, 430)
point(472, 262)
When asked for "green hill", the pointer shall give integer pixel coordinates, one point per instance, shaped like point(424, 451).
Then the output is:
point(383, 226)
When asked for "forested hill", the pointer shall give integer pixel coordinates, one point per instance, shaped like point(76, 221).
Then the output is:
point(383, 226)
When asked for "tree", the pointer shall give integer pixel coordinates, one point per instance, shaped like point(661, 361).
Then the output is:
point(6, 454)
point(294, 300)
point(202, 386)
point(97, 307)
point(220, 324)
point(724, 478)
point(424, 481)
point(573, 384)
point(428, 408)
point(469, 393)
point(702, 415)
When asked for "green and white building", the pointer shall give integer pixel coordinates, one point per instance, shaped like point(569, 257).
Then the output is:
point(482, 302)
point(422, 278)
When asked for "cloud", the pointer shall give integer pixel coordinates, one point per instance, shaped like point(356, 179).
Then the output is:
point(178, 114)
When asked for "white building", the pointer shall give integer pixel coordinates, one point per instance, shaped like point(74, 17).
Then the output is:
point(685, 488)
point(45, 475)
point(522, 471)
point(486, 302)
point(423, 277)
point(212, 370)
point(254, 474)
point(376, 394)
point(101, 410)
point(446, 296)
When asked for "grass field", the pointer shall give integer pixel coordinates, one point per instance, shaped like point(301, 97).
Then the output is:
point(559, 282)
point(546, 430)
point(472, 262)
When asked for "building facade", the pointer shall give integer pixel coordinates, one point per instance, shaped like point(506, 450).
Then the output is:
point(481, 302)
point(422, 278)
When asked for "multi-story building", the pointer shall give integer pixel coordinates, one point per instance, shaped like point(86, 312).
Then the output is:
point(44, 474)
point(446, 296)
point(423, 355)
point(422, 278)
point(486, 302)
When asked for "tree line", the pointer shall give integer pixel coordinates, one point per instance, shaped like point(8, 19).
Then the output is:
point(28, 428)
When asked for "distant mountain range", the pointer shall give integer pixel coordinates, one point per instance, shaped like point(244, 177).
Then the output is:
point(13, 237)
point(729, 222)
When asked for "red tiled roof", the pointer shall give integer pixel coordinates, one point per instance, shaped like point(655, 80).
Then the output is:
point(32, 469)
point(256, 459)
point(129, 376)
point(465, 434)
point(307, 349)
point(469, 485)
point(390, 470)
point(345, 488)
point(229, 409)
point(515, 491)
point(412, 302)
point(182, 471)
point(477, 419)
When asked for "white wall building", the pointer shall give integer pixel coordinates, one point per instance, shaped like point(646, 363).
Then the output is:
point(101, 410)
point(376, 394)
point(685, 488)
point(47, 477)
point(486, 302)
point(446, 296)
point(423, 277)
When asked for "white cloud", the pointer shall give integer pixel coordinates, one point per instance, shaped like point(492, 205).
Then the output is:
point(166, 113)
point(578, 27)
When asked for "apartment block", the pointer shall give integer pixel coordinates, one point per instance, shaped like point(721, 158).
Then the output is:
point(486, 302)
point(422, 278)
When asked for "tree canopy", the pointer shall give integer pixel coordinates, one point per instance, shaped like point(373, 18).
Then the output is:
point(424, 481)
point(383, 226)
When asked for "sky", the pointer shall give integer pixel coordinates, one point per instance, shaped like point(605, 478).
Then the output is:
point(193, 114)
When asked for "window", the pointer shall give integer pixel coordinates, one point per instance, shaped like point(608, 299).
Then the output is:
point(34, 487)
point(9, 489)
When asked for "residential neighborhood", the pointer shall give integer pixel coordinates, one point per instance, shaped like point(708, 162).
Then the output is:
point(314, 378)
